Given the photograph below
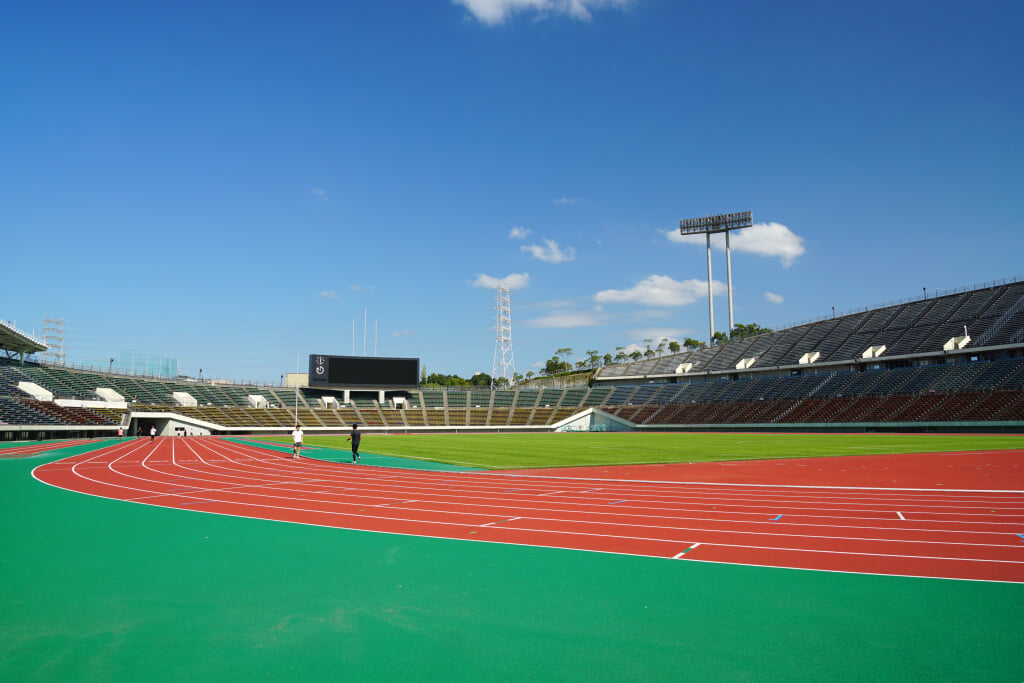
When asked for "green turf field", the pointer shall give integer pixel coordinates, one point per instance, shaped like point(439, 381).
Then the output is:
point(509, 451)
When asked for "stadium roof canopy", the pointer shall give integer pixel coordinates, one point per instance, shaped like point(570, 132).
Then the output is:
point(13, 340)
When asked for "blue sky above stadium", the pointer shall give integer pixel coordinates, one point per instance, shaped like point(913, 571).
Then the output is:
point(233, 184)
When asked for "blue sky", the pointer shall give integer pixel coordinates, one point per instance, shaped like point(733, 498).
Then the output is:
point(233, 183)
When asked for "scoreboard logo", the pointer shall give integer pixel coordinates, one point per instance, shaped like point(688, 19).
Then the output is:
point(320, 366)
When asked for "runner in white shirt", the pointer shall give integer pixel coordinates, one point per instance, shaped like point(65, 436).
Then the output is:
point(297, 440)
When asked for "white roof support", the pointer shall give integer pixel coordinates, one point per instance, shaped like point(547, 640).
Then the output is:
point(873, 351)
point(955, 343)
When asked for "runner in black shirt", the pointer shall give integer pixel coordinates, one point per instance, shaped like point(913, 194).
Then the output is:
point(354, 438)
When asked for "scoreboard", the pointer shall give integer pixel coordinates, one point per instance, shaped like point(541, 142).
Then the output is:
point(363, 371)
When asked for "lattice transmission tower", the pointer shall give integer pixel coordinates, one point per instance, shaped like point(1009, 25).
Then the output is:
point(53, 337)
point(504, 361)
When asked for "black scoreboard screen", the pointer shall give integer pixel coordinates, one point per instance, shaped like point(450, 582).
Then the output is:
point(352, 371)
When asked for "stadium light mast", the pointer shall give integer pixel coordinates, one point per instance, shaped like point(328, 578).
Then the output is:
point(723, 222)
point(504, 360)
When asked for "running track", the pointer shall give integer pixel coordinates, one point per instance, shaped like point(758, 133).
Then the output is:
point(31, 448)
point(959, 534)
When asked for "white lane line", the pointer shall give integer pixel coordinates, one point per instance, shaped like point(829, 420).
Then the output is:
point(744, 485)
point(901, 515)
point(278, 483)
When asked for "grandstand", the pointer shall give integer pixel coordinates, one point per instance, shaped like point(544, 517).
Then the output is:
point(950, 362)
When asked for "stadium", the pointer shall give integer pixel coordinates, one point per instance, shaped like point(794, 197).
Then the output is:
point(525, 478)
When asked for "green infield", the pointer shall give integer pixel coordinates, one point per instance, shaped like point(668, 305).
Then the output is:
point(510, 451)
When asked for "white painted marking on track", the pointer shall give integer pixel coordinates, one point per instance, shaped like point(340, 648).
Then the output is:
point(680, 555)
point(901, 515)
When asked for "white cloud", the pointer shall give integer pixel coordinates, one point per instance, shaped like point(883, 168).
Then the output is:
point(630, 348)
point(774, 298)
point(660, 290)
point(563, 201)
point(518, 233)
point(512, 281)
point(402, 333)
point(494, 12)
point(320, 194)
point(550, 252)
point(329, 294)
point(763, 239)
point(568, 319)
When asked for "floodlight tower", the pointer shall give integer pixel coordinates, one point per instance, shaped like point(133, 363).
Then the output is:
point(710, 224)
point(504, 361)
point(53, 338)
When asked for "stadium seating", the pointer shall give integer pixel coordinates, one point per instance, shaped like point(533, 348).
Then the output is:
point(916, 380)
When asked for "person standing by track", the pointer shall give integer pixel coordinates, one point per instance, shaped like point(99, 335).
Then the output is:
point(354, 437)
point(296, 441)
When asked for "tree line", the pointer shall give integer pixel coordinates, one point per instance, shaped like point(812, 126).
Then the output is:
point(561, 363)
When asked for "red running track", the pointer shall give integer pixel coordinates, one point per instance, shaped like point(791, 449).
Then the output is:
point(30, 448)
point(959, 534)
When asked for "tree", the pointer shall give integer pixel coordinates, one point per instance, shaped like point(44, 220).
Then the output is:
point(555, 366)
point(673, 346)
point(720, 338)
point(439, 380)
point(649, 353)
point(691, 343)
point(480, 379)
point(608, 360)
point(661, 346)
point(620, 354)
point(593, 359)
point(529, 375)
point(636, 355)
point(565, 354)
point(581, 365)
point(739, 331)
point(516, 377)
